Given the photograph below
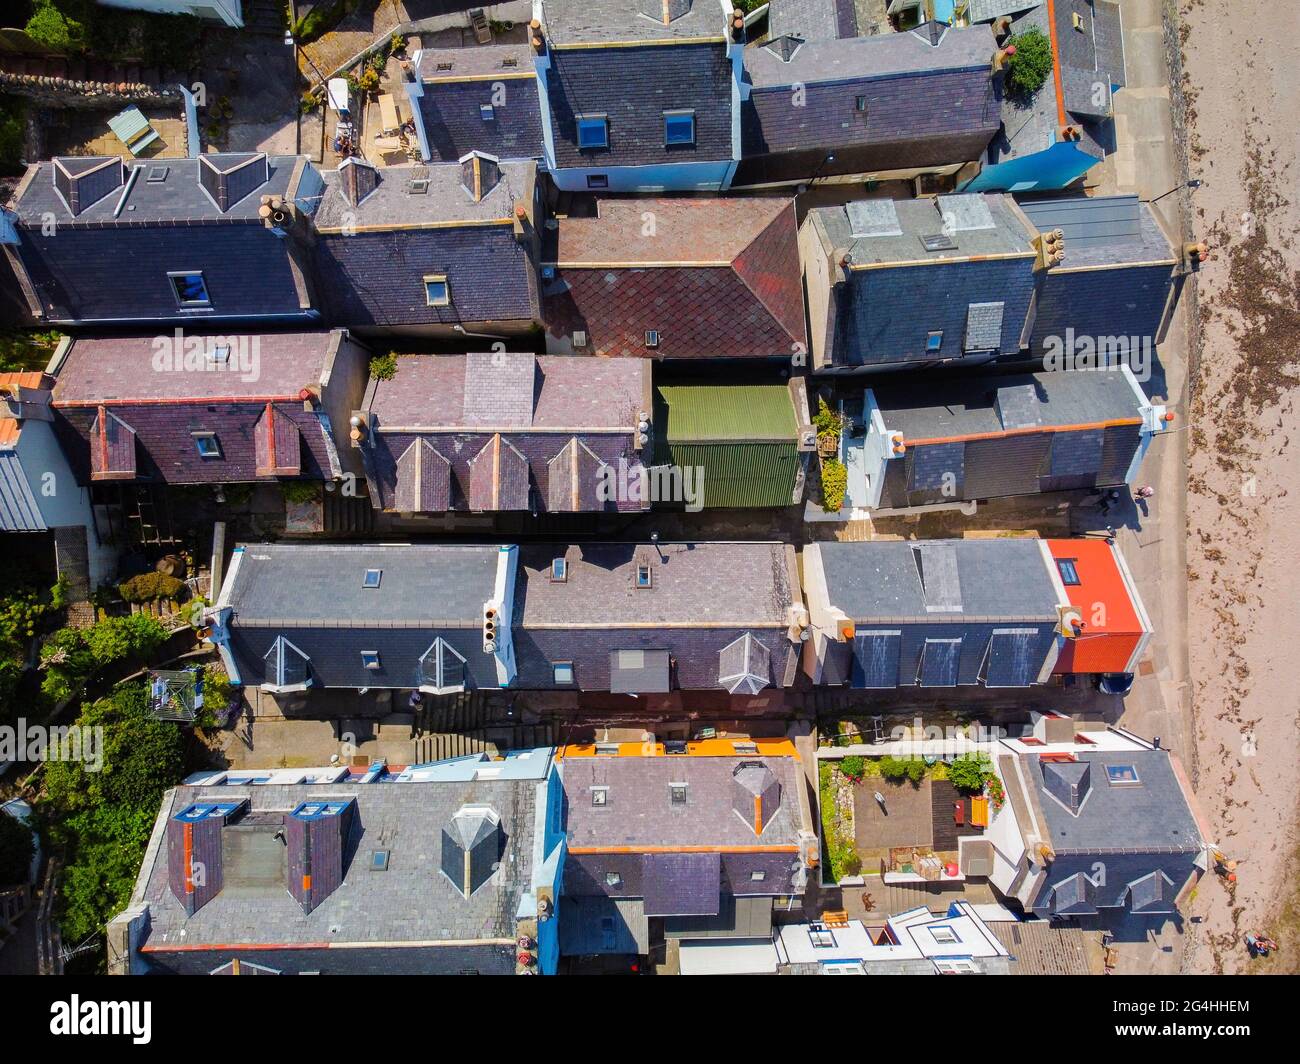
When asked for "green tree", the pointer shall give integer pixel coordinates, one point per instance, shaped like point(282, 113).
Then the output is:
point(1029, 67)
point(50, 27)
point(16, 850)
point(968, 773)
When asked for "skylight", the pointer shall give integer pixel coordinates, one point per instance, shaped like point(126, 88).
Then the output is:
point(1123, 776)
point(372, 578)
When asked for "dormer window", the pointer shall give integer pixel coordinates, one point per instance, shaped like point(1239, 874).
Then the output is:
point(644, 576)
point(206, 444)
point(593, 131)
point(190, 289)
point(437, 293)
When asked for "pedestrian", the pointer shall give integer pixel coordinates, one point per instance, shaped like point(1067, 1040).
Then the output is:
point(1146, 491)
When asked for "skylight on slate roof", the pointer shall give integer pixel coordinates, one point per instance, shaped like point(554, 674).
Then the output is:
point(873, 218)
point(966, 212)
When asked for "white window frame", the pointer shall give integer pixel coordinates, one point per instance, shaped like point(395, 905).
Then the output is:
point(201, 438)
point(678, 115)
point(556, 666)
point(174, 275)
point(603, 119)
point(437, 278)
point(367, 663)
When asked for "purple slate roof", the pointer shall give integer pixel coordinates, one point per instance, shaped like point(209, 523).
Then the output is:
point(682, 884)
point(175, 366)
point(457, 392)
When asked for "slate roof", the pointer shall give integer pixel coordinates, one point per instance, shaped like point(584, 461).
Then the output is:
point(499, 76)
point(511, 390)
point(320, 585)
point(639, 813)
point(176, 199)
point(703, 584)
point(969, 406)
point(605, 21)
point(812, 19)
point(375, 276)
point(412, 901)
point(633, 86)
point(113, 369)
point(1102, 230)
point(544, 407)
point(446, 200)
point(581, 920)
point(719, 277)
point(972, 579)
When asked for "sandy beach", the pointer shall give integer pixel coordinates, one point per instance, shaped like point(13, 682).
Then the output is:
point(1242, 64)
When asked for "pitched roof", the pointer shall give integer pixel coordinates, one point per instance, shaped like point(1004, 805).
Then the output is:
point(161, 369)
point(692, 584)
point(19, 510)
point(604, 21)
point(992, 405)
point(638, 265)
point(511, 391)
point(321, 585)
point(445, 199)
point(162, 191)
point(411, 901)
point(1103, 230)
point(966, 579)
point(639, 813)
point(812, 19)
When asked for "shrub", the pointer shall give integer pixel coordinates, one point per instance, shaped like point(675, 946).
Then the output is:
point(72, 655)
point(50, 27)
point(852, 863)
point(300, 491)
point(902, 768)
point(853, 767)
point(826, 420)
point(384, 367)
point(835, 482)
point(968, 773)
point(1029, 67)
point(151, 587)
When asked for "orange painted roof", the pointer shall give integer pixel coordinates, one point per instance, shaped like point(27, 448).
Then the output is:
point(25, 379)
point(9, 430)
point(1113, 628)
point(698, 748)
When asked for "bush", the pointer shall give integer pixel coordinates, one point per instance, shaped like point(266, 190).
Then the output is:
point(49, 26)
point(16, 850)
point(852, 864)
point(900, 768)
point(72, 655)
point(151, 587)
point(853, 767)
point(1029, 67)
point(826, 420)
point(300, 491)
point(835, 483)
point(969, 773)
point(384, 367)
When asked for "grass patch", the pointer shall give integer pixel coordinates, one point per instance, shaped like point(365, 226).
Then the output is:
point(838, 855)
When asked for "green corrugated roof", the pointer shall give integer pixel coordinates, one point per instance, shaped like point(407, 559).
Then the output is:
point(700, 413)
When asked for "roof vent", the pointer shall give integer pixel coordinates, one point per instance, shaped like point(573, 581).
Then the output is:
point(938, 242)
point(784, 47)
point(82, 183)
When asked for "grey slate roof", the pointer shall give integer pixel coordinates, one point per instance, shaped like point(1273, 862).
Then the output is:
point(605, 21)
point(446, 200)
point(693, 584)
point(639, 813)
point(583, 920)
point(976, 405)
point(319, 584)
point(1102, 230)
point(812, 19)
point(1000, 579)
point(177, 198)
point(410, 902)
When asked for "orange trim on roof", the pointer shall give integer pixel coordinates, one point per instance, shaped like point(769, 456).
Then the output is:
point(24, 379)
point(1056, 65)
point(9, 431)
point(683, 849)
point(1030, 431)
point(697, 748)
